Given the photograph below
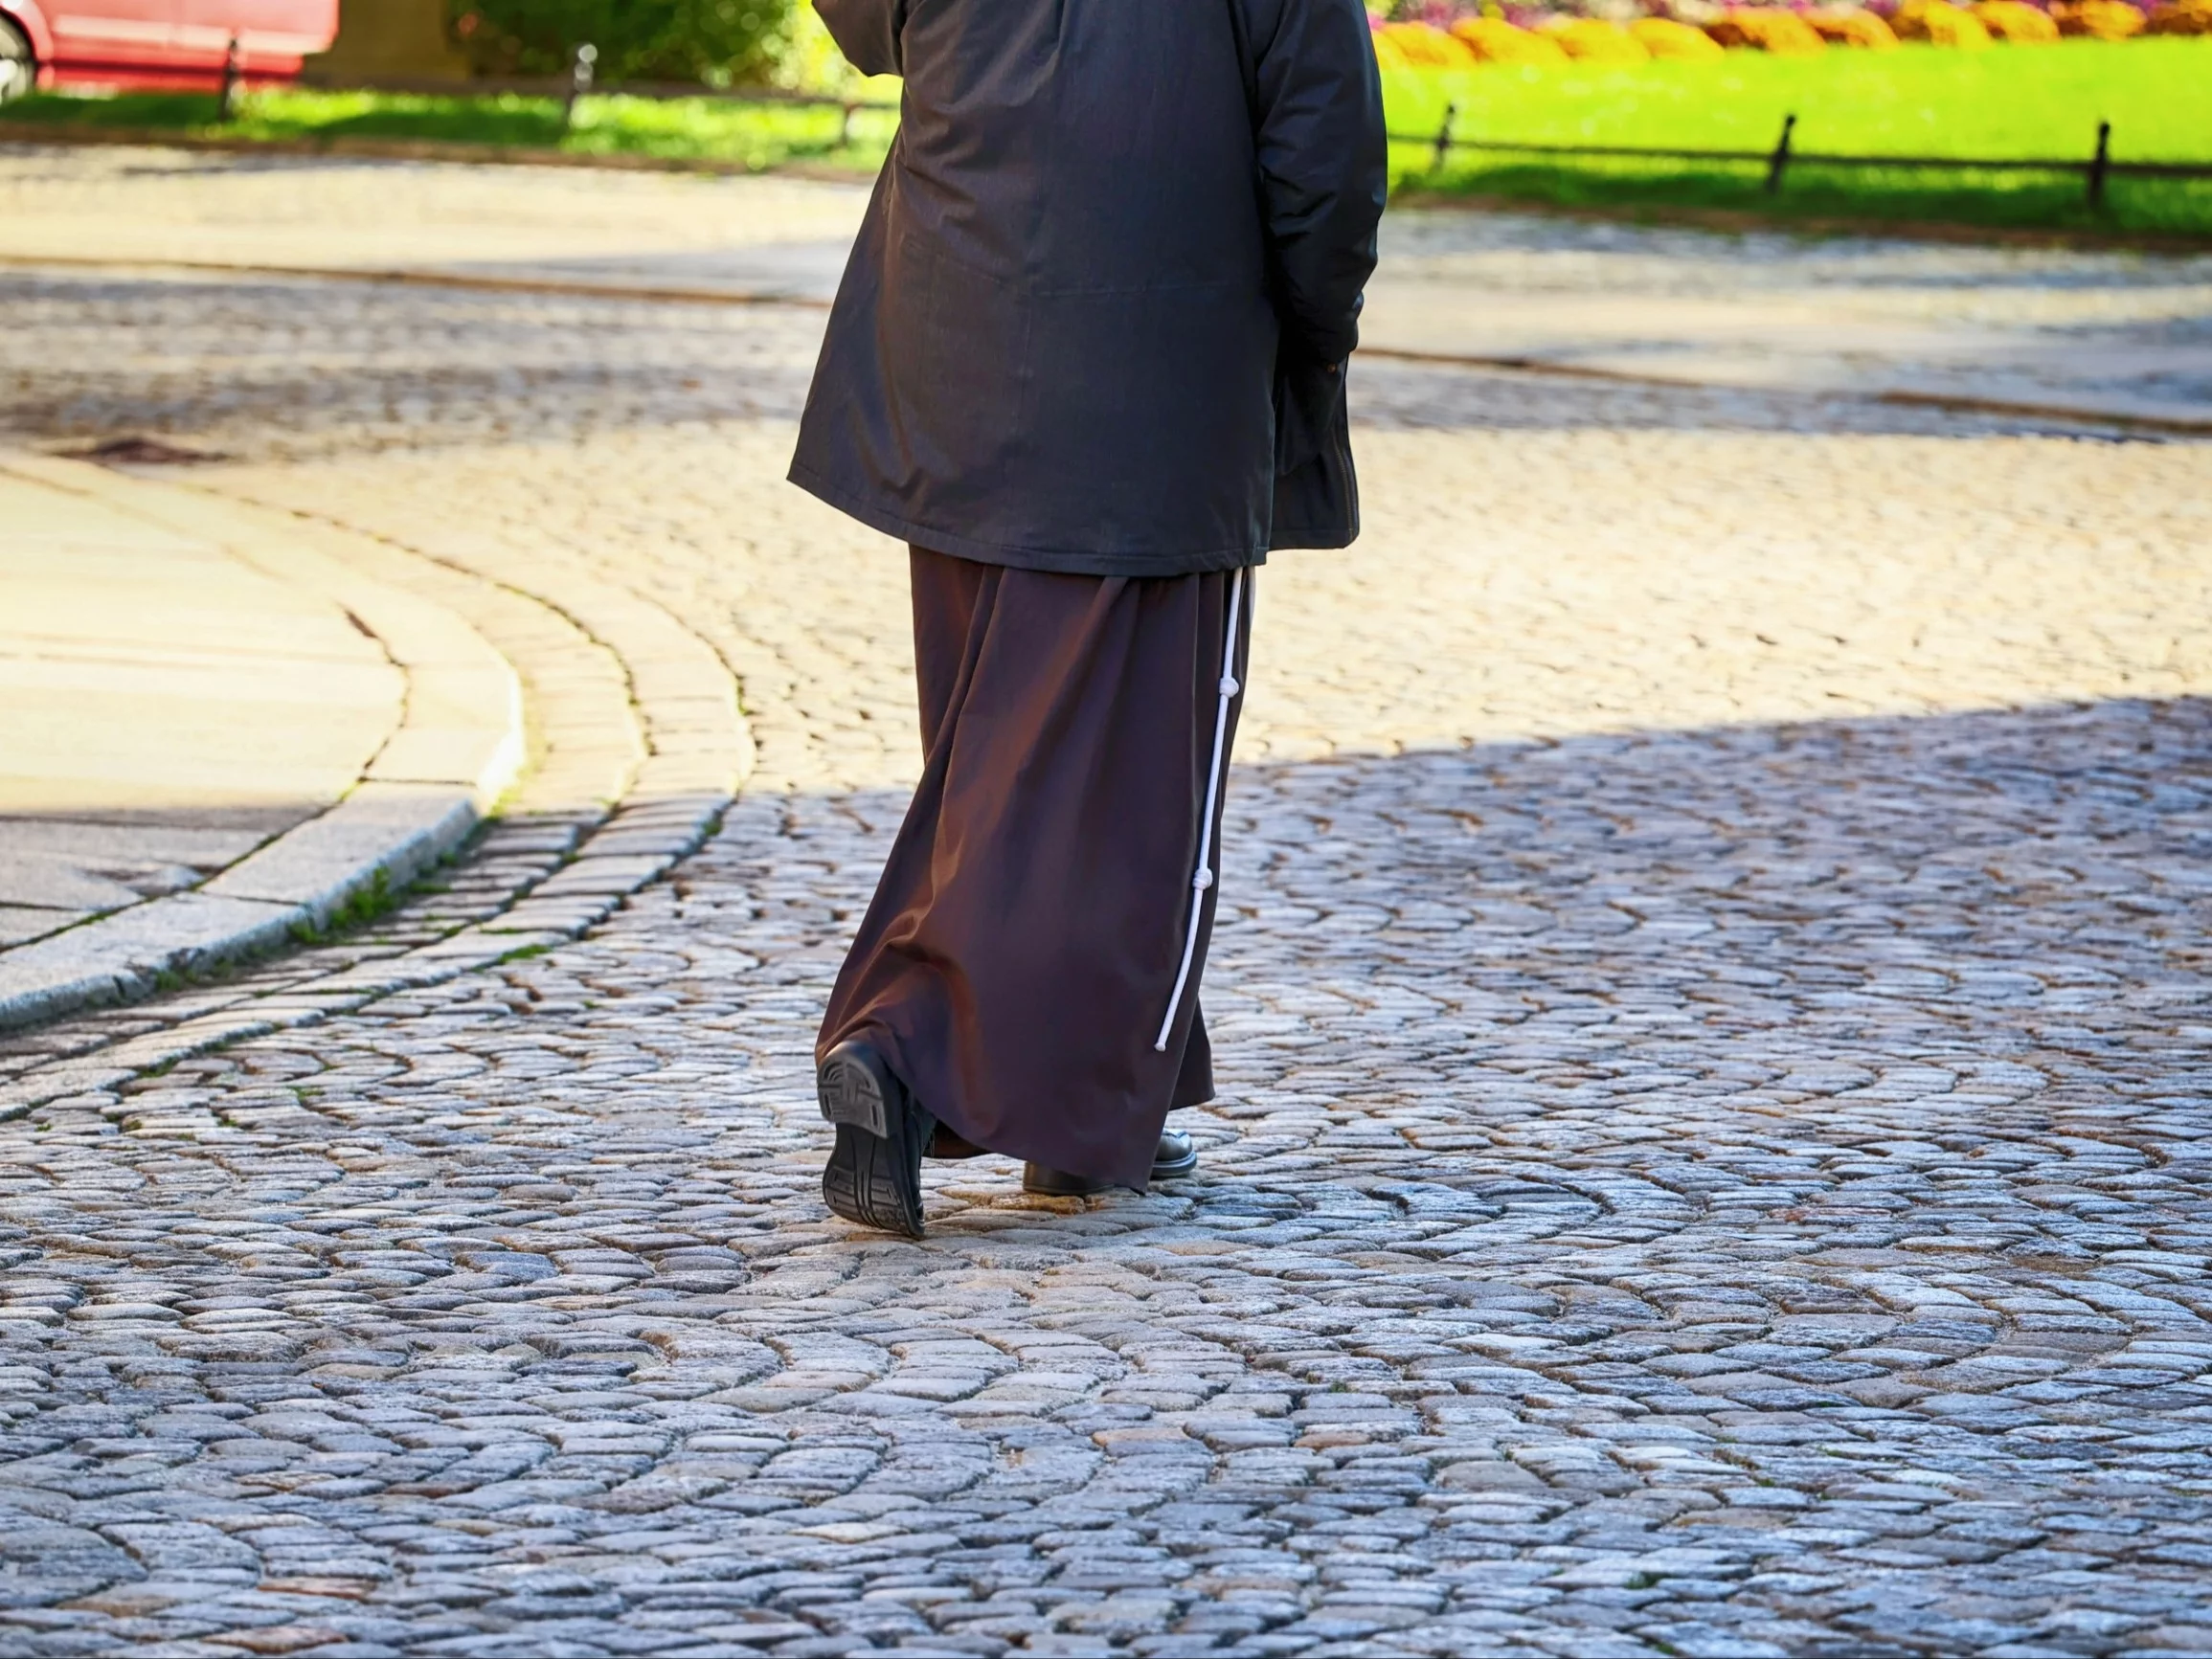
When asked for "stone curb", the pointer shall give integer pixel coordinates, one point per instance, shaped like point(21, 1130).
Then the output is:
point(39, 135)
point(542, 918)
point(675, 753)
point(2059, 414)
point(459, 745)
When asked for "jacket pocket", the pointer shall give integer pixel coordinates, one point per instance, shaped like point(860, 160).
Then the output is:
point(955, 348)
point(1309, 410)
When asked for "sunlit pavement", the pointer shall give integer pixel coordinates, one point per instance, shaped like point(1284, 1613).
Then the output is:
point(2047, 331)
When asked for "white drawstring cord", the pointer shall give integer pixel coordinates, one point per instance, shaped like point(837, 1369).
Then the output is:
point(1204, 878)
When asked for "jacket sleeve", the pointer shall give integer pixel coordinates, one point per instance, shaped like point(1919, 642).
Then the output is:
point(1323, 164)
point(866, 31)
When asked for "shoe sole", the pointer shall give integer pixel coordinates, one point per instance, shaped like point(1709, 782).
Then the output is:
point(853, 1095)
point(874, 1176)
point(862, 1183)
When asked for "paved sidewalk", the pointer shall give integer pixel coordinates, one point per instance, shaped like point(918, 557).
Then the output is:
point(166, 709)
point(217, 736)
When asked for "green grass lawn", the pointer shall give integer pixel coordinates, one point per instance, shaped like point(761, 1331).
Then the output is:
point(2005, 103)
point(749, 135)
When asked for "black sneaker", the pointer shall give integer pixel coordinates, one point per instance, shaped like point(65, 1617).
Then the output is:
point(874, 1171)
point(1176, 1156)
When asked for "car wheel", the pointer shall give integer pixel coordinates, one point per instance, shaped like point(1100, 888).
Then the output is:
point(18, 68)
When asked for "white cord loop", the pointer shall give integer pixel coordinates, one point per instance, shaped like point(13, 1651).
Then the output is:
point(1204, 878)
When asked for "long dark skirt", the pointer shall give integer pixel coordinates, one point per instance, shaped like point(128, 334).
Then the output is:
point(1021, 950)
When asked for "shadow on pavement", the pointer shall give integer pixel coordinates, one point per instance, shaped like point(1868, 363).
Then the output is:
point(1743, 1181)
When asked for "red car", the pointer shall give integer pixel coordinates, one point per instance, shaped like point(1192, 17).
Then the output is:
point(151, 44)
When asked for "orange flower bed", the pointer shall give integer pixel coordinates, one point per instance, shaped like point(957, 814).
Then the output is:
point(1939, 24)
point(1766, 26)
point(2098, 19)
point(1776, 32)
point(2017, 22)
point(1849, 25)
point(2182, 17)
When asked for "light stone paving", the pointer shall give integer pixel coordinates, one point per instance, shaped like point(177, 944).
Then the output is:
point(165, 707)
point(2085, 330)
point(2107, 333)
point(1712, 1016)
point(153, 203)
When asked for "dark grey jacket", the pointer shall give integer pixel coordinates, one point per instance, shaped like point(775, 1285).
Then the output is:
point(1108, 281)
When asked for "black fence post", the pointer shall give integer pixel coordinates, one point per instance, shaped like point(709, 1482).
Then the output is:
point(845, 124)
point(234, 71)
point(1780, 159)
point(2100, 163)
point(580, 83)
point(1444, 138)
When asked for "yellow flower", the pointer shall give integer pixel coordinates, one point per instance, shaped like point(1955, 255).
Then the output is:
point(1782, 32)
point(1595, 40)
point(1939, 24)
point(1388, 54)
point(1664, 38)
point(1425, 46)
point(1852, 26)
point(2098, 19)
point(1493, 41)
point(2017, 22)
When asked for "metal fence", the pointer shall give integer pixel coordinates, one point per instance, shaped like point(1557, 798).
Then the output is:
point(2094, 169)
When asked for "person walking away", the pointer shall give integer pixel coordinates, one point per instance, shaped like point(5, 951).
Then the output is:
point(1088, 361)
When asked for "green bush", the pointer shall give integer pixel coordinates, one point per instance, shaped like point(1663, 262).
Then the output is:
point(710, 42)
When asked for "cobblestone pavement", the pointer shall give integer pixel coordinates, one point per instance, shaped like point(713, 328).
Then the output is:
point(1712, 1011)
point(2083, 330)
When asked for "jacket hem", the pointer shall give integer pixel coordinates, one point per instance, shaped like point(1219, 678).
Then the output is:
point(1301, 537)
point(1056, 561)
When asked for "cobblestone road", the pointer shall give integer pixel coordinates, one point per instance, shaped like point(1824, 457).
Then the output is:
point(1712, 1010)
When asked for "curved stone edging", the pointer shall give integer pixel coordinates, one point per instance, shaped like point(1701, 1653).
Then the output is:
point(459, 746)
point(636, 759)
